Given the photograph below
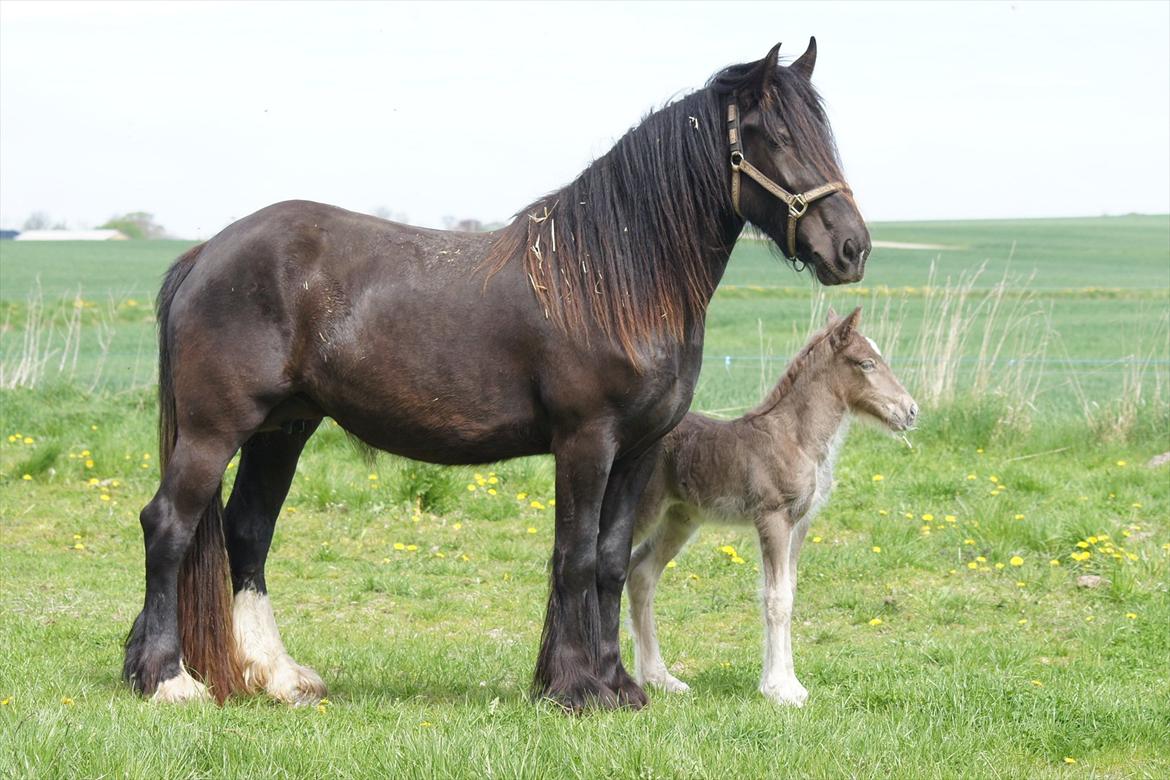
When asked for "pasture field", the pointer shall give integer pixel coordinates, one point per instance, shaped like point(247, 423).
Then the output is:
point(939, 625)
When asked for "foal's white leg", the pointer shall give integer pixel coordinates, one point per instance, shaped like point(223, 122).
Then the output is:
point(266, 663)
point(646, 566)
point(778, 682)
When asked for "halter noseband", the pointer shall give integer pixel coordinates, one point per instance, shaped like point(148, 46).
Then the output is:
point(797, 204)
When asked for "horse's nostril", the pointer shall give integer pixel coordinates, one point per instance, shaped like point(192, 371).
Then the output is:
point(849, 251)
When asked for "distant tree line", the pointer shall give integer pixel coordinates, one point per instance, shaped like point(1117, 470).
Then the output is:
point(135, 224)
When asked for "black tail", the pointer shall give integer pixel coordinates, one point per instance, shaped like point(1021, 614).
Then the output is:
point(205, 596)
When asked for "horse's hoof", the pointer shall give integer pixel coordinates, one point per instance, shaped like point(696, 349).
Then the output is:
point(180, 689)
point(291, 683)
point(581, 695)
point(629, 694)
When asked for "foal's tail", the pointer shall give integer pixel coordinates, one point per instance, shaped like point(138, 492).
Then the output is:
point(205, 596)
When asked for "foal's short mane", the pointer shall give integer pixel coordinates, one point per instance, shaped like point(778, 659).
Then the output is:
point(627, 244)
point(800, 364)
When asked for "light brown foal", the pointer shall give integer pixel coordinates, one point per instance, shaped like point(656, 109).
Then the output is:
point(772, 467)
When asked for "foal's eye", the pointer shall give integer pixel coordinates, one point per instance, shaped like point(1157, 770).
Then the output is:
point(867, 365)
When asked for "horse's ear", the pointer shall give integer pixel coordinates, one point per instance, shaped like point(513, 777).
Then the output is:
point(843, 330)
point(805, 63)
point(765, 70)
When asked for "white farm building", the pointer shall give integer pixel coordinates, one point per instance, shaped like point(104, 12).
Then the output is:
point(71, 235)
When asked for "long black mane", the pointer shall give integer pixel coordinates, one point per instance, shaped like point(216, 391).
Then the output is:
point(626, 244)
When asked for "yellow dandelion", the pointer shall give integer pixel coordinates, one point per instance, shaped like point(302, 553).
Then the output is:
point(412, 548)
point(727, 549)
point(883, 512)
point(816, 540)
point(1016, 561)
point(1054, 562)
point(999, 566)
point(928, 517)
point(1070, 759)
point(981, 559)
point(68, 702)
point(105, 496)
point(78, 546)
point(979, 450)
point(491, 491)
point(693, 577)
point(877, 478)
point(875, 621)
point(5, 701)
point(493, 480)
point(28, 440)
point(736, 559)
point(470, 488)
point(968, 541)
point(671, 564)
point(1082, 544)
point(465, 557)
point(457, 526)
point(531, 530)
point(1037, 683)
point(1121, 463)
point(1131, 615)
point(1136, 505)
point(972, 565)
point(552, 502)
point(399, 546)
point(1020, 584)
point(372, 478)
point(972, 477)
point(950, 518)
point(27, 477)
point(385, 560)
point(1019, 517)
point(536, 505)
point(993, 478)
point(521, 496)
point(876, 549)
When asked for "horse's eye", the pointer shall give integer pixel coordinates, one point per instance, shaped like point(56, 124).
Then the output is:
point(867, 365)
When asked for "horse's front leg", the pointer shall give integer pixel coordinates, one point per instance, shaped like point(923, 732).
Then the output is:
point(626, 483)
point(567, 666)
point(778, 681)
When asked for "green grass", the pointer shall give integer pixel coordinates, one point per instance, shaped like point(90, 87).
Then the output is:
point(428, 652)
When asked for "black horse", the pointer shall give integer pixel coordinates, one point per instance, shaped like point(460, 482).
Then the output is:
point(576, 330)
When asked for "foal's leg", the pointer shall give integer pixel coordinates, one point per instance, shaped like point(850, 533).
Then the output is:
point(267, 463)
point(648, 562)
point(779, 681)
point(626, 483)
point(567, 665)
point(153, 663)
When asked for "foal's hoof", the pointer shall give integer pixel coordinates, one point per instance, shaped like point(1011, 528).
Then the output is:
point(789, 693)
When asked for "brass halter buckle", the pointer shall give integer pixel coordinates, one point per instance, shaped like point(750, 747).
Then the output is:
point(797, 206)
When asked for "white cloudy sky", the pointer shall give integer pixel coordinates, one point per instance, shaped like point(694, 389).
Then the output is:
point(202, 113)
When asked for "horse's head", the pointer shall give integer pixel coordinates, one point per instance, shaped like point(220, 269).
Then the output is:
point(863, 380)
point(786, 175)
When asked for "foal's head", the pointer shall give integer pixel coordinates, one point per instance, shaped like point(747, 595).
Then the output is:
point(786, 136)
point(861, 377)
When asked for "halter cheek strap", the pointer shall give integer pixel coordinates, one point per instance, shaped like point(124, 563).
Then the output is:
point(797, 203)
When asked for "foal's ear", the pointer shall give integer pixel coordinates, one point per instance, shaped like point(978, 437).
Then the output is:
point(843, 331)
point(805, 63)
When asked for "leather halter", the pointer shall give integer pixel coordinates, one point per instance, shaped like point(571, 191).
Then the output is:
point(797, 204)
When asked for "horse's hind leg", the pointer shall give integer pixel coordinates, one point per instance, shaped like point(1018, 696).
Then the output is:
point(187, 502)
point(267, 463)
